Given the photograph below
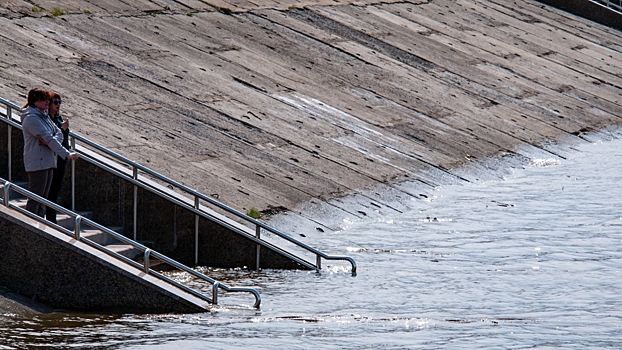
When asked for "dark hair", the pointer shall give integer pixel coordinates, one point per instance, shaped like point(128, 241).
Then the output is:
point(35, 95)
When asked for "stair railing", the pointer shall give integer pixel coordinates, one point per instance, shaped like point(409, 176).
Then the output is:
point(136, 180)
point(147, 252)
point(615, 5)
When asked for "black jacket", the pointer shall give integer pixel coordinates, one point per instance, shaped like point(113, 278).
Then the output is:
point(58, 120)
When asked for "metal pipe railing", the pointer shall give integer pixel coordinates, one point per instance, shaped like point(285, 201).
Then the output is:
point(9, 149)
point(135, 204)
point(258, 249)
point(197, 195)
point(73, 176)
point(219, 205)
point(197, 205)
point(612, 5)
point(200, 213)
point(147, 252)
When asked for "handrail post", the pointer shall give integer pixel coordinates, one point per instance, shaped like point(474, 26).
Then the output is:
point(7, 187)
point(76, 227)
point(146, 258)
point(9, 137)
point(135, 202)
point(258, 235)
point(73, 176)
point(318, 262)
point(215, 293)
point(196, 231)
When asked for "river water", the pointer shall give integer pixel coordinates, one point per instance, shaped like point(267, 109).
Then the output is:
point(530, 260)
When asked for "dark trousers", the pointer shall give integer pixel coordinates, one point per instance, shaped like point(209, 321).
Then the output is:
point(39, 183)
point(57, 181)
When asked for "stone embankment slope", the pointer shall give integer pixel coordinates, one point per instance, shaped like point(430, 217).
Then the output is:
point(274, 103)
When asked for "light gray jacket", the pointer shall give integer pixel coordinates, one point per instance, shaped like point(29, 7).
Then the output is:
point(40, 157)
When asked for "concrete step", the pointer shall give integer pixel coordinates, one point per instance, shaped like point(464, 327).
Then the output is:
point(125, 250)
point(63, 220)
point(69, 222)
point(156, 264)
point(100, 237)
point(20, 202)
point(94, 235)
point(15, 195)
point(112, 243)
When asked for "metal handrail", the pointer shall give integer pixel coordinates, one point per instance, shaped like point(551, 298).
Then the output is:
point(8, 186)
point(198, 212)
point(614, 6)
point(197, 195)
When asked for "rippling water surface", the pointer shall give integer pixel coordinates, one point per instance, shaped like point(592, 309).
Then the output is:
point(533, 260)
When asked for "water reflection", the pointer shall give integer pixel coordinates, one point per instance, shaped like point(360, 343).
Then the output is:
point(534, 260)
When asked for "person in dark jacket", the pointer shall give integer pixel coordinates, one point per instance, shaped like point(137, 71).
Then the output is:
point(61, 163)
point(42, 142)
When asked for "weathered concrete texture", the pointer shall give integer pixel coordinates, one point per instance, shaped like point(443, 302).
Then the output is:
point(590, 10)
point(266, 108)
point(50, 267)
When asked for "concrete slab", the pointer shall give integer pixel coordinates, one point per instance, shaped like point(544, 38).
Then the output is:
point(279, 103)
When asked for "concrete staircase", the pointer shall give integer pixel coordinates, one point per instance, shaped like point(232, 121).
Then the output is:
point(220, 235)
point(40, 262)
point(94, 235)
point(86, 259)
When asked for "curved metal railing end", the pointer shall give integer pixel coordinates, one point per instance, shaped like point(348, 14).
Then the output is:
point(347, 258)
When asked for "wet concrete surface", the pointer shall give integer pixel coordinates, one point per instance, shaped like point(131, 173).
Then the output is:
point(282, 104)
point(15, 304)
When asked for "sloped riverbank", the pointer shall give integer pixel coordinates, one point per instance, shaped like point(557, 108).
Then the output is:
point(275, 104)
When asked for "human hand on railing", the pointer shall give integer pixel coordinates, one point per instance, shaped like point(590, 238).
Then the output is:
point(41, 141)
point(73, 156)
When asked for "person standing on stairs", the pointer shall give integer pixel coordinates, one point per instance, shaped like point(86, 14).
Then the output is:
point(42, 142)
point(59, 172)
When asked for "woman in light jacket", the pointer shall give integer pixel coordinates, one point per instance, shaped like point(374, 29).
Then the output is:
point(42, 143)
